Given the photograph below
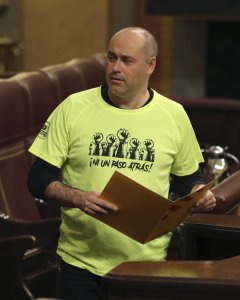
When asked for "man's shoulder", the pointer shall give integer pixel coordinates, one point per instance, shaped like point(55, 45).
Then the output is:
point(167, 103)
point(82, 99)
point(85, 95)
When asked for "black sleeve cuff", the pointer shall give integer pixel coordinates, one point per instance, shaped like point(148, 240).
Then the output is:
point(182, 185)
point(40, 176)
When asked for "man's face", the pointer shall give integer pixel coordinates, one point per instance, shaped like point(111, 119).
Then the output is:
point(128, 69)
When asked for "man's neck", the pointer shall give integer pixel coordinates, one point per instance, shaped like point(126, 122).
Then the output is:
point(105, 96)
point(131, 101)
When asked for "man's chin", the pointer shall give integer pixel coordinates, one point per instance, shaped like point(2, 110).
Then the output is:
point(116, 91)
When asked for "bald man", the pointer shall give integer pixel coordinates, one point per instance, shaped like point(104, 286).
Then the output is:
point(122, 125)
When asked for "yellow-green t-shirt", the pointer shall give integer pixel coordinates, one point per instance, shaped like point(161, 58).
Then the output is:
point(89, 139)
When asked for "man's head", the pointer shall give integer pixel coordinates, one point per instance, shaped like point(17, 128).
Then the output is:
point(131, 60)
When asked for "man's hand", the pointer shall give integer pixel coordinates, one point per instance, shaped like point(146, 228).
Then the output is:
point(90, 203)
point(206, 203)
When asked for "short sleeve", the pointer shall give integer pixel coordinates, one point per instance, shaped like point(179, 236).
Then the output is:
point(189, 154)
point(52, 142)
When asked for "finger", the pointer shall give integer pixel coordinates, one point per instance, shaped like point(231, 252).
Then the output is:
point(106, 205)
point(99, 207)
point(211, 202)
point(204, 208)
point(207, 203)
point(212, 205)
point(208, 199)
point(94, 209)
point(89, 211)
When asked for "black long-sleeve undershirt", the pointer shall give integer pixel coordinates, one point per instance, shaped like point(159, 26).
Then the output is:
point(40, 176)
point(43, 173)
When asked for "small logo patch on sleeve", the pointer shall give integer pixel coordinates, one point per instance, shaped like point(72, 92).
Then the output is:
point(44, 131)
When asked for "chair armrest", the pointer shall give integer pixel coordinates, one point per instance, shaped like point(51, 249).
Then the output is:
point(46, 231)
point(15, 247)
point(209, 236)
point(12, 250)
point(47, 210)
point(146, 280)
point(227, 193)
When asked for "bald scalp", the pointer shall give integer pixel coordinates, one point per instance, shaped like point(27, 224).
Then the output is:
point(150, 43)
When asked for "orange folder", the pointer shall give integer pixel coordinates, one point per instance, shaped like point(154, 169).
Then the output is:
point(142, 214)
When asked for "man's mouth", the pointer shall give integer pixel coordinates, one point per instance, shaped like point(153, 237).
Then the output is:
point(116, 79)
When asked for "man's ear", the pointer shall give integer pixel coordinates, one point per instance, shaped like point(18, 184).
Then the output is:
point(151, 65)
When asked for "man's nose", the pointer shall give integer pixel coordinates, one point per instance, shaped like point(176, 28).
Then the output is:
point(117, 65)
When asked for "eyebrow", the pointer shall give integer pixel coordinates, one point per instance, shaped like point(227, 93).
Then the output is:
point(110, 52)
point(123, 56)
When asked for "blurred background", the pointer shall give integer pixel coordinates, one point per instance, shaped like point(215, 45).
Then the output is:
point(199, 40)
point(42, 43)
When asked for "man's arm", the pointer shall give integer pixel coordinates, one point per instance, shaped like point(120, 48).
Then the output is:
point(43, 182)
point(206, 203)
point(184, 185)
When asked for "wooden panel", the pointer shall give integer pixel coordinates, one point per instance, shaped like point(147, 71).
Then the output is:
point(206, 280)
point(56, 31)
point(186, 7)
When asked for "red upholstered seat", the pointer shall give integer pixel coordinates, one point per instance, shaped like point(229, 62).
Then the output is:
point(14, 113)
point(65, 79)
point(41, 96)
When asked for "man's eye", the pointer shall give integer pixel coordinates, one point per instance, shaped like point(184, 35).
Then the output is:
point(128, 61)
point(111, 58)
